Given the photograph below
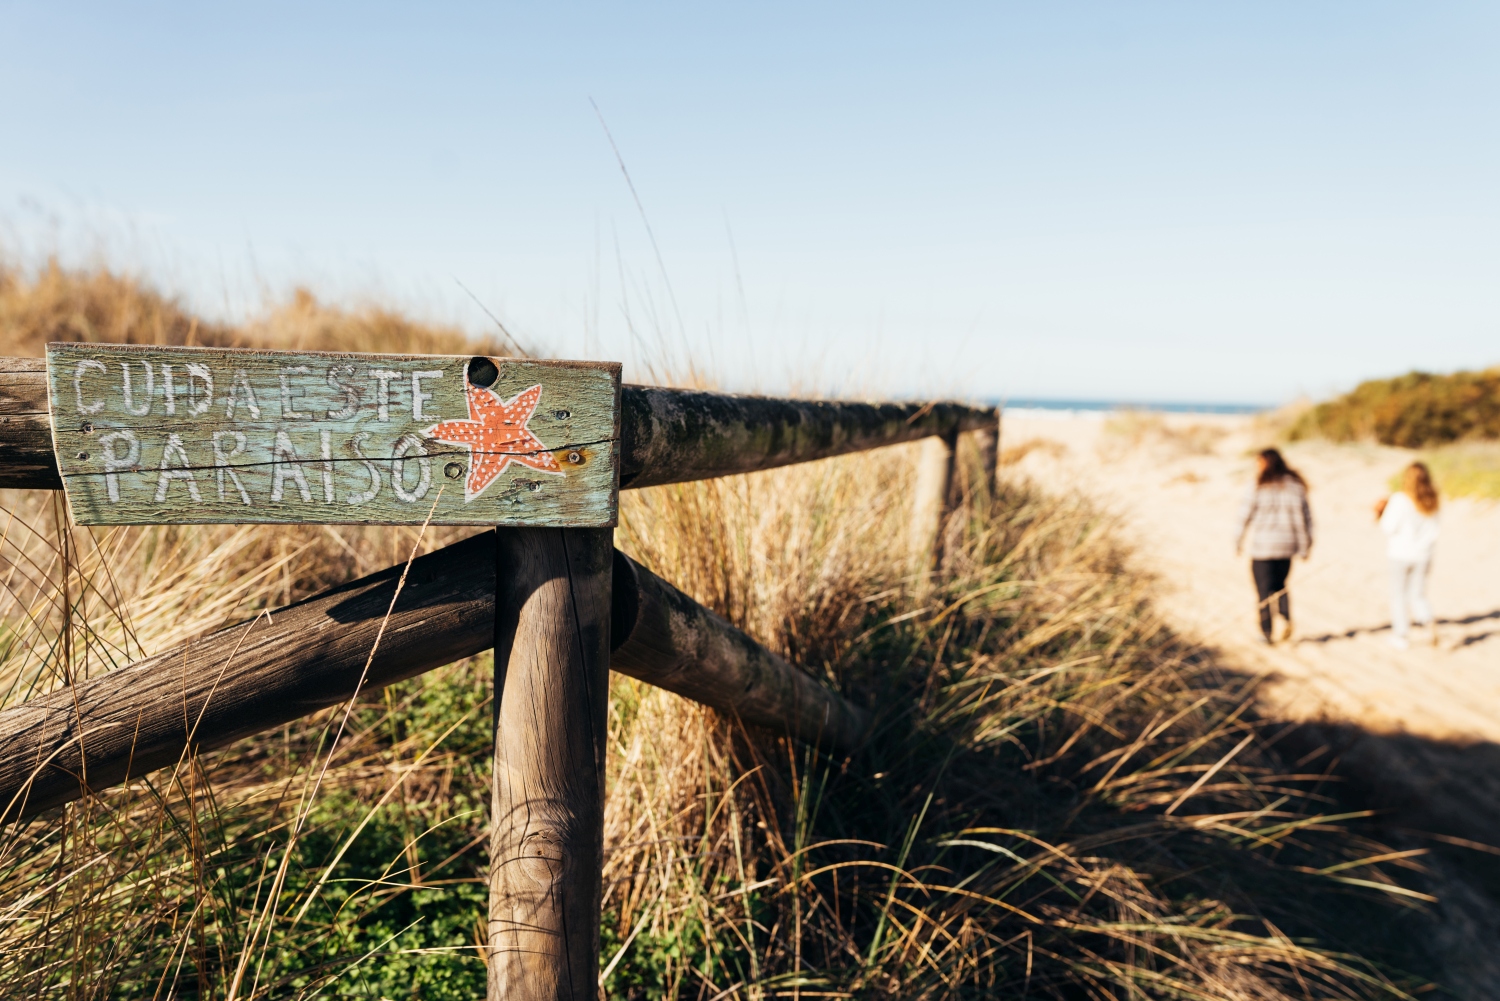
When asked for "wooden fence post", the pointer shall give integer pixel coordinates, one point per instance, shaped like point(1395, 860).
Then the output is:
point(989, 452)
point(552, 618)
point(934, 499)
point(258, 675)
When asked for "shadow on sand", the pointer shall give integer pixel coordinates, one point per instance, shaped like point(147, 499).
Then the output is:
point(1469, 639)
point(1440, 795)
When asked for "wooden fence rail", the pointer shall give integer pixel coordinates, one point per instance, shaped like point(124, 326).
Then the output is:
point(676, 435)
point(287, 663)
point(559, 605)
point(667, 435)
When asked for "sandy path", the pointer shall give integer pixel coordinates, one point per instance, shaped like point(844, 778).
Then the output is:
point(1176, 489)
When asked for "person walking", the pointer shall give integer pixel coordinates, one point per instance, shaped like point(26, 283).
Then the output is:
point(1409, 519)
point(1278, 520)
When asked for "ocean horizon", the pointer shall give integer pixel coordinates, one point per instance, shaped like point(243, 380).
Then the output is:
point(1175, 407)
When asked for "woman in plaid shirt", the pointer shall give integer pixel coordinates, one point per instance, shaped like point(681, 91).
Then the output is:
point(1276, 516)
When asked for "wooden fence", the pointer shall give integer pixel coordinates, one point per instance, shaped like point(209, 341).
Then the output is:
point(561, 608)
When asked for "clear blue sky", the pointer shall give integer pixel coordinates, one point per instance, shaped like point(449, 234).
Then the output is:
point(1170, 201)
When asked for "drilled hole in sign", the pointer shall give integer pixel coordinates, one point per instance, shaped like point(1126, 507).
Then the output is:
point(453, 470)
point(482, 372)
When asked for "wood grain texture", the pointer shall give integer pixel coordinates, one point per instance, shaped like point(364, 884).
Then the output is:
point(676, 435)
point(308, 656)
point(160, 435)
point(26, 457)
point(246, 679)
point(663, 437)
point(988, 440)
point(669, 640)
point(933, 500)
point(547, 821)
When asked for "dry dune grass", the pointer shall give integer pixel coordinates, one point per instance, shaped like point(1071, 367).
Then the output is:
point(1046, 446)
point(54, 304)
point(1130, 429)
point(1061, 799)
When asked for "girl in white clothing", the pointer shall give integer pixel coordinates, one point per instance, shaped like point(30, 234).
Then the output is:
point(1409, 520)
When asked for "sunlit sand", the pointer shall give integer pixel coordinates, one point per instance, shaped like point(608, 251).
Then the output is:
point(1175, 483)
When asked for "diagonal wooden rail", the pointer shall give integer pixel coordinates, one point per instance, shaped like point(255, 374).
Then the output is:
point(293, 661)
point(557, 607)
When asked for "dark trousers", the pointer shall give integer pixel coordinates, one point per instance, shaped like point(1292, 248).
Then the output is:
point(1270, 580)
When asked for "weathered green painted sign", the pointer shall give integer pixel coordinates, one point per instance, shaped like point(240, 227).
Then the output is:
point(152, 436)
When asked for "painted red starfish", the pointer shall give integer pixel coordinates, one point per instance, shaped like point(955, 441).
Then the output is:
point(496, 435)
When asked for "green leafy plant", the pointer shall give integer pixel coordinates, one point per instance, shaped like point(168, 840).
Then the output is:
point(1061, 798)
point(1411, 411)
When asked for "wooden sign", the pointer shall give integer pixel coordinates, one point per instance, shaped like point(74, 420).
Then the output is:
point(156, 435)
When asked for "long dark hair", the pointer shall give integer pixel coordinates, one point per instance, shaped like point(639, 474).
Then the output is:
point(1276, 469)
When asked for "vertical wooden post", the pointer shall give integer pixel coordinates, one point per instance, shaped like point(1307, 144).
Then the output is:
point(552, 615)
point(989, 452)
point(934, 499)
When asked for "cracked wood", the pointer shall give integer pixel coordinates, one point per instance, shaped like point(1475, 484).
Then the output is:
point(171, 435)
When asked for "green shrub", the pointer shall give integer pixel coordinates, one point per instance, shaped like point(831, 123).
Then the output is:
point(1410, 411)
point(1469, 469)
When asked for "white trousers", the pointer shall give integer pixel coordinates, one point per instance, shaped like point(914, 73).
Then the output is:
point(1409, 595)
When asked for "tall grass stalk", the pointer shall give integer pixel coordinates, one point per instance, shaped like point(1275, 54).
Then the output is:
point(1006, 830)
